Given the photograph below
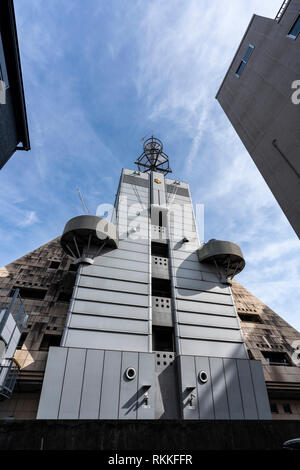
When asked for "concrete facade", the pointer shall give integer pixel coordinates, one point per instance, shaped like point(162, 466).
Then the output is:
point(179, 331)
point(47, 319)
point(274, 342)
point(258, 98)
point(13, 119)
point(124, 295)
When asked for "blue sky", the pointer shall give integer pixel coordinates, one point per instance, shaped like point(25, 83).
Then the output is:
point(101, 75)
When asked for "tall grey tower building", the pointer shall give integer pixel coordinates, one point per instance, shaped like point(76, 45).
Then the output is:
point(260, 96)
point(152, 331)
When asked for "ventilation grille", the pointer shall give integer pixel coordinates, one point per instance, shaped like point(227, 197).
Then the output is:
point(164, 359)
point(135, 181)
point(179, 191)
point(161, 303)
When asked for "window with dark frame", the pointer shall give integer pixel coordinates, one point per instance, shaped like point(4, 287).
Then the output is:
point(54, 264)
point(161, 287)
point(73, 267)
point(49, 340)
point(276, 358)
point(162, 338)
point(159, 249)
point(3, 71)
point(250, 317)
point(295, 29)
point(64, 297)
point(274, 408)
point(244, 61)
point(29, 293)
point(160, 219)
point(21, 340)
point(287, 408)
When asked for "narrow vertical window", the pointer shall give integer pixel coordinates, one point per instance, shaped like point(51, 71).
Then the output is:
point(295, 30)
point(244, 61)
point(160, 219)
point(3, 71)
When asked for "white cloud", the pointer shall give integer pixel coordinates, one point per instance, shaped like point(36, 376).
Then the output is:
point(29, 219)
point(165, 61)
point(185, 48)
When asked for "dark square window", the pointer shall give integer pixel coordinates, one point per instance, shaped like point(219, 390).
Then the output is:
point(64, 297)
point(161, 287)
point(21, 340)
point(159, 249)
point(73, 267)
point(49, 340)
point(276, 358)
point(162, 338)
point(250, 317)
point(54, 264)
point(274, 408)
point(30, 293)
point(295, 30)
point(287, 408)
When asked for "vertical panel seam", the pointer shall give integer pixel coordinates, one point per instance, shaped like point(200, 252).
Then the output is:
point(240, 388)
point(82, 383)
point(226, 392)
point(101, 386)
point(212, 388)
point(254, 392)
point(120, 379)
point(137, 386)
point(63, 382)
point(253, 389)
point(197, 392)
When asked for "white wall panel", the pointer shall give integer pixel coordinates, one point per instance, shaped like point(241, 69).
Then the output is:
point(94, 322)
point(115, 310)
point(105, 340)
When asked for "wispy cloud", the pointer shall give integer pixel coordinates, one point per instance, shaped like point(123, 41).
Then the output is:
point(30, 218)
point(99, 78)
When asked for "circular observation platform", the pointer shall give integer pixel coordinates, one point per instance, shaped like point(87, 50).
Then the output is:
point(85, 236)
point(226, 256)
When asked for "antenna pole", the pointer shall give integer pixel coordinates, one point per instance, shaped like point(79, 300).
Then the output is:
point(85, 208)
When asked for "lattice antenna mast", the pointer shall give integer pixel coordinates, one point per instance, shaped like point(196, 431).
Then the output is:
point(153, 158)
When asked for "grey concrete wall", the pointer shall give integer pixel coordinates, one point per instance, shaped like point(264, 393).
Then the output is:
point(205, 318)
point(91, 384)
point(260, 107)
point(113, 309)
point(110, 308)
point(235, 389)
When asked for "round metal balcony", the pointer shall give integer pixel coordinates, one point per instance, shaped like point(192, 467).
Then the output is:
point(85, 236)
point(226, 256)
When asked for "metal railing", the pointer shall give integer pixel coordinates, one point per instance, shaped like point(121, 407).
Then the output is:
point(11, 307)
point(9, 372)
point(282, 10)
point(11, 303)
